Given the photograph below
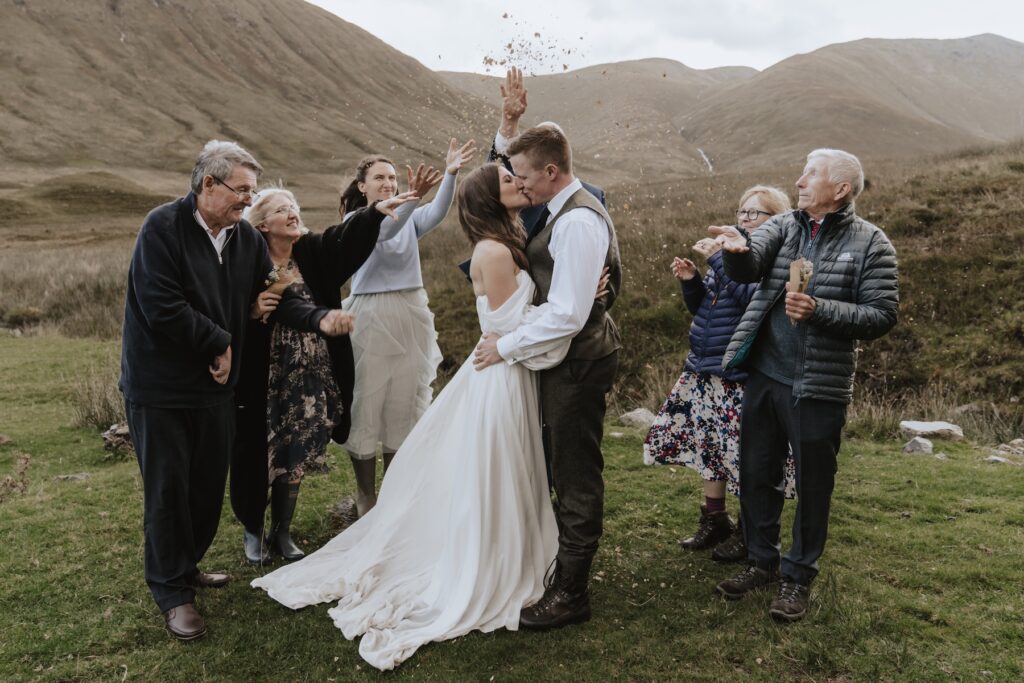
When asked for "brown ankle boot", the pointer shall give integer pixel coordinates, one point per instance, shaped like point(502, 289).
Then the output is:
point(713, 528)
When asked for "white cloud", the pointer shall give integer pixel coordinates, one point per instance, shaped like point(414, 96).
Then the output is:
point(459, 34)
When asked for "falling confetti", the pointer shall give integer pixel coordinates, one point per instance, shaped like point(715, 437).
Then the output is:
point(531, 52)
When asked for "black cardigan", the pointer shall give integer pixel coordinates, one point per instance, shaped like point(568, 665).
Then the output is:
point(326, 262)
point(184, 305)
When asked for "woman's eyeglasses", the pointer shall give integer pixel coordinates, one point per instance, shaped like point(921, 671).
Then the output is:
point(751, 214)
point(286, 209)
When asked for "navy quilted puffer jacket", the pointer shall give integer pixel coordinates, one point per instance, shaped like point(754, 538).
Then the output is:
point(717, 303)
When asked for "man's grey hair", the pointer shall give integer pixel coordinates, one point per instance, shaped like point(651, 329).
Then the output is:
point(218, 159)
point(843, 167)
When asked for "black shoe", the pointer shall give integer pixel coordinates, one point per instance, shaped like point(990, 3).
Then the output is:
point(749, 579)
point(732, 549)
point(566, 600)
point(256, 551)
point(283, 496)
point(790, 604)
point(713, 528)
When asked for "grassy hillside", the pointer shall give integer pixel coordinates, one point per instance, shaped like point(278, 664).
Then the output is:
point(957, 223)
point(920, 578)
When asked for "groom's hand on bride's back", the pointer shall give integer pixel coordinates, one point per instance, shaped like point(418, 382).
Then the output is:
point(486, 352)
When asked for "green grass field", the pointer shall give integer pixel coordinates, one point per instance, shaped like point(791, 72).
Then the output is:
point(921, 580)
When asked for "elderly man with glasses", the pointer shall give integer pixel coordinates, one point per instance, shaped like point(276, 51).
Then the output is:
point(195, 273)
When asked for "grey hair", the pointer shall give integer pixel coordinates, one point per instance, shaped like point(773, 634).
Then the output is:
point(218, 159)
point(257, 213)
point(843, 167)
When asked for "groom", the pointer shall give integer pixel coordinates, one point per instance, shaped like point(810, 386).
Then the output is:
point(566, 258)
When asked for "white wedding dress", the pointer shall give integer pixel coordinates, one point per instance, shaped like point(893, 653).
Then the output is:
point(463, 529)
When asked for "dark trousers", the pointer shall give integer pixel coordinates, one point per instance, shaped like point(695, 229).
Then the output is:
point(183, 455)
point(772, 422)
point(572, 397)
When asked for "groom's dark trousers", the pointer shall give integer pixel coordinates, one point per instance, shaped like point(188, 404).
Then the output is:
point(572, 397)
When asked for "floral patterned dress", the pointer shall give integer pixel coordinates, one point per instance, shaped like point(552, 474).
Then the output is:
point(699, 426)
point(303, 400)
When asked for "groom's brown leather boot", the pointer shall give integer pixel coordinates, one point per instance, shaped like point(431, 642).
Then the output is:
point(566, 600)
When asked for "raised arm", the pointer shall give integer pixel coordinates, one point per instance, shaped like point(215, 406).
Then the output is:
point(426, 218)
point(513, 106)
point(342, 249)
point(748, 257)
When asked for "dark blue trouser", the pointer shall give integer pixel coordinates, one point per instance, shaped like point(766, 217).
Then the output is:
point(183, 455)
point(772, 422)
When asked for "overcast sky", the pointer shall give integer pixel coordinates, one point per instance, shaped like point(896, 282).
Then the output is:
point(550, 35)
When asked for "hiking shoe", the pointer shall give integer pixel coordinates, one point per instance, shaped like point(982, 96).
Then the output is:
point(732, 549)
point(713, 528)
point(749, 579)
point(790, 604)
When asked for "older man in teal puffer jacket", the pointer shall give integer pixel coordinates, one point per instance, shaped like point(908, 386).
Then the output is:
point(800, 351)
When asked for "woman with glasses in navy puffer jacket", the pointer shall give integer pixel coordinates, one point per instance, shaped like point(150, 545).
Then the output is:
point(699, 423)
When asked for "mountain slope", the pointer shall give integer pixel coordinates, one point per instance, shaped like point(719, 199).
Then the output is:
point(876, 98)
point(144, 84)
point(625, 115)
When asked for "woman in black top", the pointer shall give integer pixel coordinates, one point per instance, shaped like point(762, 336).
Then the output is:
point(295, 387)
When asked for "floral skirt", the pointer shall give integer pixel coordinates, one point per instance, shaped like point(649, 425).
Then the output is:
point(303, 401)
point(699, 426)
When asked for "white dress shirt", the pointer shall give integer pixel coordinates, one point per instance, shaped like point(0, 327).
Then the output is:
point(579, 246)
point(501, 143)
point(218, 240)
point(394, 264)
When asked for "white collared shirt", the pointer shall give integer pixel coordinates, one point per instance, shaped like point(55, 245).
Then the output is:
point(501, 143)
point(579, 246)
point(218, 240)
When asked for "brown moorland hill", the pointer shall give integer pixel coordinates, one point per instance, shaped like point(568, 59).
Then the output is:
point(892, 99)
point(876, 98)
point(623, 118)
point(107, 83)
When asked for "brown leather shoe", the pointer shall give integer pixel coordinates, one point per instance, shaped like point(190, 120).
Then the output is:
point(185, 622)
point(204, 580)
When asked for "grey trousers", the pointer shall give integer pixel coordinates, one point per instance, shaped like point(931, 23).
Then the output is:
point(573, 405)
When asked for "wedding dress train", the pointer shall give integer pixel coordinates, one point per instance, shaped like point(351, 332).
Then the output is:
point(463, 529)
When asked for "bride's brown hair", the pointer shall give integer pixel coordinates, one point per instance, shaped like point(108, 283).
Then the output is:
point(483, 216)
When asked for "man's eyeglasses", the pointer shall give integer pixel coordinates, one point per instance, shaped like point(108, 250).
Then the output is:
point(250, 193)
point(751, 214)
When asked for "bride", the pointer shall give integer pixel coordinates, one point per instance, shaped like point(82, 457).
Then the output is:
point(463, 529)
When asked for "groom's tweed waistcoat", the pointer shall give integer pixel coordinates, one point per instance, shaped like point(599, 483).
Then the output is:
point(599, 336)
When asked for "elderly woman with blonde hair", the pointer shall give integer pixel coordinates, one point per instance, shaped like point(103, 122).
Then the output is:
point(699, 423)
point(295, 388)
